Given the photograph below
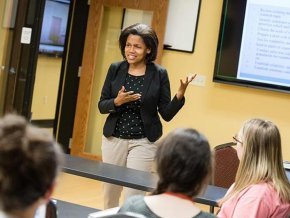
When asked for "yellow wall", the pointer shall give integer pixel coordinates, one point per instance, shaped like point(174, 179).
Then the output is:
point(218, 110)
point(45, 87)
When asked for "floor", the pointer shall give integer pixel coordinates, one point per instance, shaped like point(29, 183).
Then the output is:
point(84, 191)
point(79, 190)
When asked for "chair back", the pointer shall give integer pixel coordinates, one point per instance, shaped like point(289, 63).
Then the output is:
point(51, 211)
point(226, 165)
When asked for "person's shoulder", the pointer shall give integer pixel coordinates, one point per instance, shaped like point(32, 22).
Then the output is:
point(263, 187)
point(133, 203)
point(157, 67)
point(135, 199)
point(261, 191)
point(119, 64)
point(205, 215)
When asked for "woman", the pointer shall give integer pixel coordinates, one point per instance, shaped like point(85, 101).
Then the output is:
point(135, 90)
point(184, 167)
point(261, 188)
point(30, 160)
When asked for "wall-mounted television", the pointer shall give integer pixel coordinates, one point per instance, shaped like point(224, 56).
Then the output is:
point(54, 27)
point(254, 44)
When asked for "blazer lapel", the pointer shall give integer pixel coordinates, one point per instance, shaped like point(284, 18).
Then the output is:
point(150, 70)
point(120, 77)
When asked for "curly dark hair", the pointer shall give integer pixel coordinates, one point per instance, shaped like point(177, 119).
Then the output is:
point(30, 160)
point(146, 33)
point(184, 162)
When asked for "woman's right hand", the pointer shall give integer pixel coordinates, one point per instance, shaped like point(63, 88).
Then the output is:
point(124, 97)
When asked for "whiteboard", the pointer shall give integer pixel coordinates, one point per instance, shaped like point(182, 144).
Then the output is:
point(181, 26)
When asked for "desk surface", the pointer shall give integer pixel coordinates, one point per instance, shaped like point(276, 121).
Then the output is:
point(123, 176)
point(70, 210)
point(110, 173)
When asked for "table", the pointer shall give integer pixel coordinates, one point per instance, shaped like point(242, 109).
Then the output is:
point(131, 178)
point(70, 210)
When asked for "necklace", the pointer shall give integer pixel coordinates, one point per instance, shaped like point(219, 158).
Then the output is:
point(179, 195)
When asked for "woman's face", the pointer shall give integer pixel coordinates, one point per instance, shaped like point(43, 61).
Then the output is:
point(136, 50)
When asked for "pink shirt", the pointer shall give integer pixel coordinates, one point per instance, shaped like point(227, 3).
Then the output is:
point(256, 201)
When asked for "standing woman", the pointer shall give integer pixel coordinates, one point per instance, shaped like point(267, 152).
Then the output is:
point(135, 90)
point(261, 188)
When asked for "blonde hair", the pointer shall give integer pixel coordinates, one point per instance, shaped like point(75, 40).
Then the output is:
point(261, 160)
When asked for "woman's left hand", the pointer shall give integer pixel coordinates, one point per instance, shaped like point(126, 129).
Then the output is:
point(183, 86)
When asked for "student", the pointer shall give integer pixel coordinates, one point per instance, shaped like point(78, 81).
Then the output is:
point(261, 188)
point(184, 166)
point(30, 160)
point(135, 92)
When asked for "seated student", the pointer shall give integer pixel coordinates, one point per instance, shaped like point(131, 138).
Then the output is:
point(261, 188)
point(184, 165)
point(30, 160)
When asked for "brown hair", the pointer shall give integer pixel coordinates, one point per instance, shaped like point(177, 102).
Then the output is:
point(184, 162)
point(30, 160)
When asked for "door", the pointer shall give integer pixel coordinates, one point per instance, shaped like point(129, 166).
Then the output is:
point(95, 50)
point(20, 29)
point(69, 80)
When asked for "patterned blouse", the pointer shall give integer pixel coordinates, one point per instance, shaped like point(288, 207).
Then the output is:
point(130, 124)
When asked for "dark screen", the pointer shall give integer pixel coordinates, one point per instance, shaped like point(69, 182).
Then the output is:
point(230, 41)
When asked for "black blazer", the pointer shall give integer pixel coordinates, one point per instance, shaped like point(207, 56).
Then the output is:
point(155, 97)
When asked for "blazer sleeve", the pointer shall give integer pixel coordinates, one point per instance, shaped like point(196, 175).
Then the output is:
point(167, 108)
point(106, 103)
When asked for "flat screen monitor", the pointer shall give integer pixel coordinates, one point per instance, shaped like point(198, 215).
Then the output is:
point(54, 27)
point(254, 44)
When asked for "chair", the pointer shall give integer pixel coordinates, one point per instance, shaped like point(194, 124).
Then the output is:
point(46, 211)
point(225, 166)
point(51, 211)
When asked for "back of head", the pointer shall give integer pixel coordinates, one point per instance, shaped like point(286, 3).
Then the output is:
point(29, 162)
point(183, 162)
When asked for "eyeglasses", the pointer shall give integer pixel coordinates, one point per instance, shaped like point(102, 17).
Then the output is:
point(236, 140)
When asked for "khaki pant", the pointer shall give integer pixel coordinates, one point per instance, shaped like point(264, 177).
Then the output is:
point(132, 153)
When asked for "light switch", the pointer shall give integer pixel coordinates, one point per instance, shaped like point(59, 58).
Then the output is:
point(26, 35)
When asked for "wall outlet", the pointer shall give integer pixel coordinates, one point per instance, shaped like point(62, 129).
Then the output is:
point(199, 80)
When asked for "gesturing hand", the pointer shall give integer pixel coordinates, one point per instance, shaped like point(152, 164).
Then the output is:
point(124, 97)
point(183, 86)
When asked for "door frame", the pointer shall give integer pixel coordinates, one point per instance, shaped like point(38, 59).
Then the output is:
point(22, 63)
point(69, 78)
point(159, 8)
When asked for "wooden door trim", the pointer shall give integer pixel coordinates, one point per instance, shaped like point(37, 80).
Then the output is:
point(159, 8)
point(22, 8)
